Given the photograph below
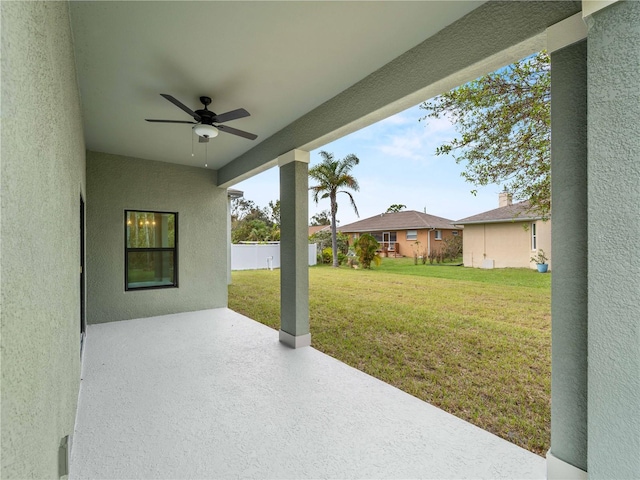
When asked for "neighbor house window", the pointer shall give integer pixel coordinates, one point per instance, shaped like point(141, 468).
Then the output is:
point(151, 253)
point(534, 240)
point(412, 234)
point(454, 233)
point(391, 243)
point(438, 234)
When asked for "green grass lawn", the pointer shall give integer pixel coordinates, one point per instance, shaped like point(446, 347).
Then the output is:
point(475, 343)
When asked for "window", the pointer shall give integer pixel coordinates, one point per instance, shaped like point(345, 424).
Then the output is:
point(412, 234)
point(454, 233)
point(534, 242)
point(151, 254)
point(438, 234)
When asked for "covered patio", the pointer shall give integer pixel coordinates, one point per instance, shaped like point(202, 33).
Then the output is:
point(213, 394)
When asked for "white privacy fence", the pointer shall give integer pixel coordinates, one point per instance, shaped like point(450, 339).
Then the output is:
point(254, 256)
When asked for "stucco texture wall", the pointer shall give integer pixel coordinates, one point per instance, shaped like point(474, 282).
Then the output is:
point(613, 172)
point(116, 183)
point(507, 244)
point(42, 178)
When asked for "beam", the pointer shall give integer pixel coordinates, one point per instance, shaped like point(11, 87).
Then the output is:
point(493, 35)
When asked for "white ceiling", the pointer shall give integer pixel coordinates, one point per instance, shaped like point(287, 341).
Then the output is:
point(278, 60)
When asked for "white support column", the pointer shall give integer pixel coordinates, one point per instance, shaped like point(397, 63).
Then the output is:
point(294, 249)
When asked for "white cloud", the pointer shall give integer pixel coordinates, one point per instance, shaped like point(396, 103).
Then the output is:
point(397, 165)
point(406, 145)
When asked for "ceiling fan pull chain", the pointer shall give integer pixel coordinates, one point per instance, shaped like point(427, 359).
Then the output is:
point(192, 154)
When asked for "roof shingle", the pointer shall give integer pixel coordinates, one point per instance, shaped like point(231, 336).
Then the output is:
point(405, 220)
point(518, 212)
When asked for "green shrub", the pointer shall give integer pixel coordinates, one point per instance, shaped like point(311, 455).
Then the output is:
point(366, 249)
point(452, 247)
point(326, 256)
point(323, 239)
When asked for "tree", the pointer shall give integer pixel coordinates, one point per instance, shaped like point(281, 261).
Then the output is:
point(323, 239)
point(332, 175)
point(504, 124)
point(321, 218)
point(273, 213)
point(396, 207)
point(252, 223)
point(241, 208)
point(366, 249)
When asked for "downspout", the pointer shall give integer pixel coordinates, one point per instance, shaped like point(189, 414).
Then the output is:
point(484, 241)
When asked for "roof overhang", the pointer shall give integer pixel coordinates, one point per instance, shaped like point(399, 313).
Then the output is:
point(308, 72)
point(509, 220)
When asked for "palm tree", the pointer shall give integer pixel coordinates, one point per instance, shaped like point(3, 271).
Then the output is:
point(332, 175)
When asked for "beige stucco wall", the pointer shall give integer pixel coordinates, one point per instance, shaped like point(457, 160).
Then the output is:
point(42, 178)
point(507, 244)
point(116, 183)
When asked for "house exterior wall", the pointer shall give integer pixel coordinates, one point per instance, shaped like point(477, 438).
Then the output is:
point(436, 245)
point(116, 183)
point(507, 244)
point(407, 247)
point(42, 179)
point(613, 172)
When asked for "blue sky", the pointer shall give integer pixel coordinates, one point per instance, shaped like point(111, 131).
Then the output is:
point(397, 165)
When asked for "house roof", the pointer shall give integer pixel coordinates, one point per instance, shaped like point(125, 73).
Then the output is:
point(405, 220)
point(517, 212)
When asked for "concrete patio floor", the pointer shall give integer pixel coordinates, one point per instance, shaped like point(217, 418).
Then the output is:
point(213, 394)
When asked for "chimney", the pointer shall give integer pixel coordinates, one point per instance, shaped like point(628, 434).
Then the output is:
point(504, 199)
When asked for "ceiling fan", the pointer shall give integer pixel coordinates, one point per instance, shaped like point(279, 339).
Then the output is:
point(205, 119)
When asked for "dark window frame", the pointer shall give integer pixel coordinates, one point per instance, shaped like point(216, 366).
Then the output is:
point(173, 249)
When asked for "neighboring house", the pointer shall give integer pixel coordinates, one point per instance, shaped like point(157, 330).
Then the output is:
point(78, 80)
point(318, 228)
point(402, 233)
point(507, 236)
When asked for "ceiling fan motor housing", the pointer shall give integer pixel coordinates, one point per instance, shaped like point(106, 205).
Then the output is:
point(206, 116)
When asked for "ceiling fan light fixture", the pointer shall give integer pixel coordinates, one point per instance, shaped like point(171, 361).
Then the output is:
point(206, 131)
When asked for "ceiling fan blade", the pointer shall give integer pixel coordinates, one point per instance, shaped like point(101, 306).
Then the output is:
point(235, 131)
point(169, 121)
point(203, 139)
point(181, 106)
point(232, 115)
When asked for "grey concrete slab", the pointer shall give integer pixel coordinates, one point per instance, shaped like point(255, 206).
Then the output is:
point(213, 394)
